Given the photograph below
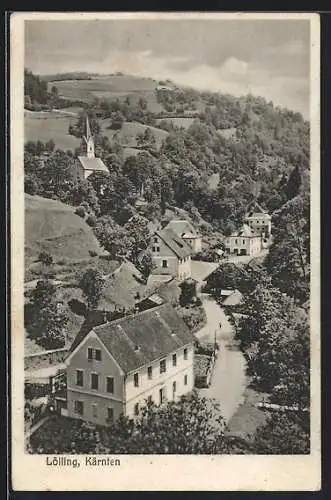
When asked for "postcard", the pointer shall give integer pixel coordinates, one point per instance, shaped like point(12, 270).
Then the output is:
point(165, 255)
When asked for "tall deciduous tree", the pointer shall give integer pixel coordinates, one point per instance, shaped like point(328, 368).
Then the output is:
point(92, 284)
point(288, 259)
point(192, 425)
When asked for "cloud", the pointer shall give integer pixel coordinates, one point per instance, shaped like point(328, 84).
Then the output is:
point(291, 48)
point(235, 67)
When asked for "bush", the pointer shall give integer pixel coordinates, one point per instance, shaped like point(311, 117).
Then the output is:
point(91, 220)
point(80, 211)
point(45, 258)
point(92, 252)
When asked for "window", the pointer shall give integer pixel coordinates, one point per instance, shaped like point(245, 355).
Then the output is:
point(174, 360)
point(185, 379)
point(185, 354)
point(93, 354)
point(150, 373)
point(110, 385)
point(154, 249)
point(110, 415)
point(94, 381)
point(235, 242)
point(164, 263)
point(174, 387)
point(162, 396)
point(136, 379)
point(155, 240)
point(157, 248)
point(163, 366)
point(149, 400)
point(136, 409)
point(79, 407)
point(80, 378)
point(243, 242)
point(95, 411)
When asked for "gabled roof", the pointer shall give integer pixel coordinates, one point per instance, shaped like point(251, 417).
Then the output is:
point(92, 164)
point(134, 341)
point(122, 287)
point(256, 211)
point(182, 228)
point(179, 247)
point(245, 231)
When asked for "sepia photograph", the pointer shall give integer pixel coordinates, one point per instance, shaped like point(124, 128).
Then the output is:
point(165, 255)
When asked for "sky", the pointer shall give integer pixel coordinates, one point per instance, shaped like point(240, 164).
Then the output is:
point(269, 58)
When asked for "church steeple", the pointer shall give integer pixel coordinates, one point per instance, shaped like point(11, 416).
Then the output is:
point(89, 140)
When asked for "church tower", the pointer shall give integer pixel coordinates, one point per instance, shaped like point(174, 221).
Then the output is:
point(89, 140)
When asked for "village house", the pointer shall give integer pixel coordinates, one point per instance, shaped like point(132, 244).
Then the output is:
point(260, 222)
point(186, 231)
point(244, 242)
point(117, 367)
point(86, 165)
point(171, 255)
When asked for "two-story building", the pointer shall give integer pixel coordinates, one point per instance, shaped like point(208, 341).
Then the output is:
point(244, 242)
point(260, 222)
point(118, 367)
point(186, 231)
point(171, 255)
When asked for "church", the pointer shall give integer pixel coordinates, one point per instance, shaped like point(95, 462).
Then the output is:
point(86, 165)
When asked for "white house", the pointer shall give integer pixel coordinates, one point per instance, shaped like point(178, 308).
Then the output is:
point(260, 222)
point(186, 231)
point(119, 366)
point(244, 242)
point(171, 255)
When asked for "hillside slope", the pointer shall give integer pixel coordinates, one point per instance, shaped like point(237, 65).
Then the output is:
point(53, 226)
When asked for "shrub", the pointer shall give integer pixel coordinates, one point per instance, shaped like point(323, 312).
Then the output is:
point(80, 211)
point(92, 252)
point(45, 258)
point(91, 220)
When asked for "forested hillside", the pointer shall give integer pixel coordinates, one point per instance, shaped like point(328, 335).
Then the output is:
point(257, 150)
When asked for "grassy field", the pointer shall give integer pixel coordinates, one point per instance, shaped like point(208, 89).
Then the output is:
point(178, 122)
point(43, 126)
point(110, 87)
point(127, 135)
point(52, 226)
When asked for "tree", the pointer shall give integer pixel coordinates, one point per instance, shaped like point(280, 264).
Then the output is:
point(146, 265)
point(293, 185)
point(43, 294)
point(146, 139)
point(45, 258)
point(283, 434)
point(188, 292)
point(288, 258)
point(50, 328)
point(116, 120)
point(92, 285)
point(48, 318)
point(137, 229)
point(192, 425)
point(80, 192)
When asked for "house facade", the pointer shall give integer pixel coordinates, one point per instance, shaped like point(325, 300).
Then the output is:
point(244, 242)
point(119, 366)
point(170, 254)
point(84, 166)
point(186, 231)
point(260, 222)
